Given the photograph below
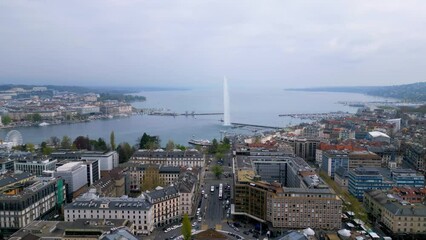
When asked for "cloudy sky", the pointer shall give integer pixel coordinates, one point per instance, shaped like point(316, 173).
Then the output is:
point(195, 43)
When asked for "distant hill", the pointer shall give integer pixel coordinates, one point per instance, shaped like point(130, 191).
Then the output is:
point(415, 92)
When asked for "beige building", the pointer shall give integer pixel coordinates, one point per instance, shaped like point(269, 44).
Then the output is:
point(364, 159)
point(165, 203)
point(138, 172)
point(399, 216)
point(178, 158)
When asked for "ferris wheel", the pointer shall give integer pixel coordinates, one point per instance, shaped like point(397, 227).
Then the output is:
point(15, 137)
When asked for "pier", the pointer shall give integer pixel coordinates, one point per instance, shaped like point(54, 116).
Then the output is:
point(234, 124)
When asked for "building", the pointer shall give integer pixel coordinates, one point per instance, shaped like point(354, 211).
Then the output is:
point(138, 172)
point(74, 175)
point(9, 180)
point(377, 136)
point(86, 110)
point(79, 229)
point(415, 155)
point(363, 179)
point(409, 194)
point(187, 184)
point(91, 206)
point(22, 202)
point(283, 192)
point(333, 159)
point(165, 203)
point(189, 158)
point(303, 147)
point(92, 167)
point(35, 166)
point(364, 159)
point(399, 217)
point(107, 160)
point(341, 177)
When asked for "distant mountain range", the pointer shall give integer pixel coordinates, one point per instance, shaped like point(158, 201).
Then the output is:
point(415, 92)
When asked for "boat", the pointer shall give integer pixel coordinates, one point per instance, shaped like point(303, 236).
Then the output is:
point(200, 142)
point(43, 124)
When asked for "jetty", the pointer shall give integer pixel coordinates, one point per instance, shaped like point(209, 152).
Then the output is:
point(234, 124)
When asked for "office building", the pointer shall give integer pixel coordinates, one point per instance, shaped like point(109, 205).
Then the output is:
point(24, 200)
point(107, 160)
point(75, 176)
point(35, 166)
point(333, 159)
point(363, 179)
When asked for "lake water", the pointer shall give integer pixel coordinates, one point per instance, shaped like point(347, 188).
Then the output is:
point(252, 106)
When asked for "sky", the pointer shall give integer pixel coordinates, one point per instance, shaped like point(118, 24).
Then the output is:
point(195, 43)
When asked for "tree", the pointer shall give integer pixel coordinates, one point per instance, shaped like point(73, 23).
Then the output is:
point(55, 141)
point(30, 147)
point(151, 178)
point(213, 147)
point(6, 120)
point(82, 142)
point(125, 151)
point(217, 170)
point(66, 142)
point(170, 146)
point(112, 140)
point(36, 117)
point(149, 142)
point(181, 147)
point(186, 227)
point(99, 145)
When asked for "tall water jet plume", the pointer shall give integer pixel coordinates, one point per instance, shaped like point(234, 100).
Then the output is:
point(226, 110)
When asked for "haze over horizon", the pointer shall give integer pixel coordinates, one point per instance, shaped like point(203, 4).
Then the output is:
point(193, 44)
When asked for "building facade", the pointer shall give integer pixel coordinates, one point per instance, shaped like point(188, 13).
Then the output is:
point(189, 158)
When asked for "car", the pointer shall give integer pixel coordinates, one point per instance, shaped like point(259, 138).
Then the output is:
point(202, 192)
point(236, 229)
point(246, 232)
point(194, 224)
point(205, 196)
point(255, 235)
point(199, 219)
point(237, 224)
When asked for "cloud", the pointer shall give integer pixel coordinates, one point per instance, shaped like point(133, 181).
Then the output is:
point(195, 43)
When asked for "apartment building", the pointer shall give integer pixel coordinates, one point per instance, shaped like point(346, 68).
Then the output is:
point(137, 173)
point(165, 203)
point(74, 175)
point(398, 216)
point(91, 206)
point(188, 158)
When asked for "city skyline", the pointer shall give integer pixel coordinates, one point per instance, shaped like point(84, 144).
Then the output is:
point(192, 44)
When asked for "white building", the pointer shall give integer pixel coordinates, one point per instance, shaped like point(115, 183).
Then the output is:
point(107, 161)
point(74, 174)
point(36, 167)
point(91, 206)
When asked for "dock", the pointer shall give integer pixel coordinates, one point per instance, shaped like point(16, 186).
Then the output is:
point(234, 124)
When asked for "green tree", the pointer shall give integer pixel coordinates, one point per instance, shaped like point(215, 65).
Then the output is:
point(186, 227)
point(6, 120)
point(170, 146)
point(217, 170)
point(149, 142)
point(181, 147)
point(213, 147)
point(125, 151)
point(36, 117)
point(66, 142)
point(55, 141)
point(112, 140)
point(30, 147)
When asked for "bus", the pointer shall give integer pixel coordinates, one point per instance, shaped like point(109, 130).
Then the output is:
point(220, 191)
